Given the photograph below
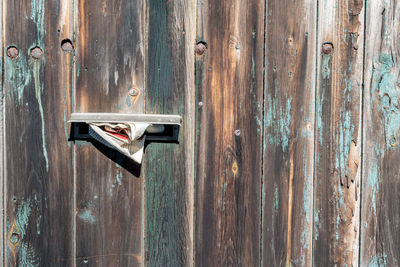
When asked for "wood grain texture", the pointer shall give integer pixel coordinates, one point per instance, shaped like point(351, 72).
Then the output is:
point(170, 167)
point(338, 133)
point(2, 150)
point(229, 133)
point(289, 133)
point(38, 170)
point(109, 188)
point(380, 238)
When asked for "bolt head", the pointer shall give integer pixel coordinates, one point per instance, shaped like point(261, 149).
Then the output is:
point(12, 52)
point(200, 48)
point(327, 48)
point(36, 53)
point(133, 92)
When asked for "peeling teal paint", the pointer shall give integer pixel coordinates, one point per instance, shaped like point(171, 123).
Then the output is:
point(378, 260)
point(26, 254)
point(38, 93)
point(384, 85)
point(37, 16)
point(278, 122)
point(326, 71)
point(22, 217)
point(276, 198)
point(343, 142)
point(87, 216)
point(128, 101)
point(373, 183)
point(18, 75)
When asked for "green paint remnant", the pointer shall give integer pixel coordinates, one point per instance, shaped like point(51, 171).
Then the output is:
point(278, 122)
point(373, 183)
point(38, 93)
point(343, 142)
point(276, 198)
point(37, 16)
point(326, 71)
point(19, 76)
point(128, 101)
point(26, 254)
point(22, 217)
point(386, 90)
point(87, 216)
point(379, 260)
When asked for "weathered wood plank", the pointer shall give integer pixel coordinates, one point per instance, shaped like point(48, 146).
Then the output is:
point(338, 133)
point(229, 85)
point(109, 189)
point(380, 228)
point(170, 167)
point(2, 151)
point(39, 215)
point(289, 133)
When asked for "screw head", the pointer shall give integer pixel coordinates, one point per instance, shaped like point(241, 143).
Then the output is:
point(237, 132)
point(327, 48)
point(36, 53)
point(200, 48)
point(12, 52)
point(133, 92)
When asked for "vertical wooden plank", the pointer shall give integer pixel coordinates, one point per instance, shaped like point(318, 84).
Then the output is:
point(110, 62)
point(170, 167)
point(38, 164)
point(2, 150)
point(289, 133)
point(338, 133)
point(380, 227)
point(229, 133)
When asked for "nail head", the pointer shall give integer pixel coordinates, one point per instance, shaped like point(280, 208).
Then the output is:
point(36, 53)
point(12, 52)
point(200, 48)
point(327, 48)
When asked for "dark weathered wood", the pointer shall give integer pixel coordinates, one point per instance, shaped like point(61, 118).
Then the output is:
point(39, 180)
point(2, 151)
point(169, 167)
point(338, 133)
point(289, 133)
point(380, 226)
point(229, 89)
point(109, 192)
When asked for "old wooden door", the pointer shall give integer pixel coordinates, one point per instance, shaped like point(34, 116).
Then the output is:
point(287, 156)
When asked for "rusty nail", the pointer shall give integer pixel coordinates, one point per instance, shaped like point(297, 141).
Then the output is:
point(36, 53)
point(12, 52)
point(133, 92)
point(200, 48)
point(237, 132)
point(327, 48)
point(66, 45)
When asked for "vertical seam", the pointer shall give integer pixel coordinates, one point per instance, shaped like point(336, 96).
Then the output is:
point(315, 129)
point(73, 103)
point(262, 131)
point(362, 132)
